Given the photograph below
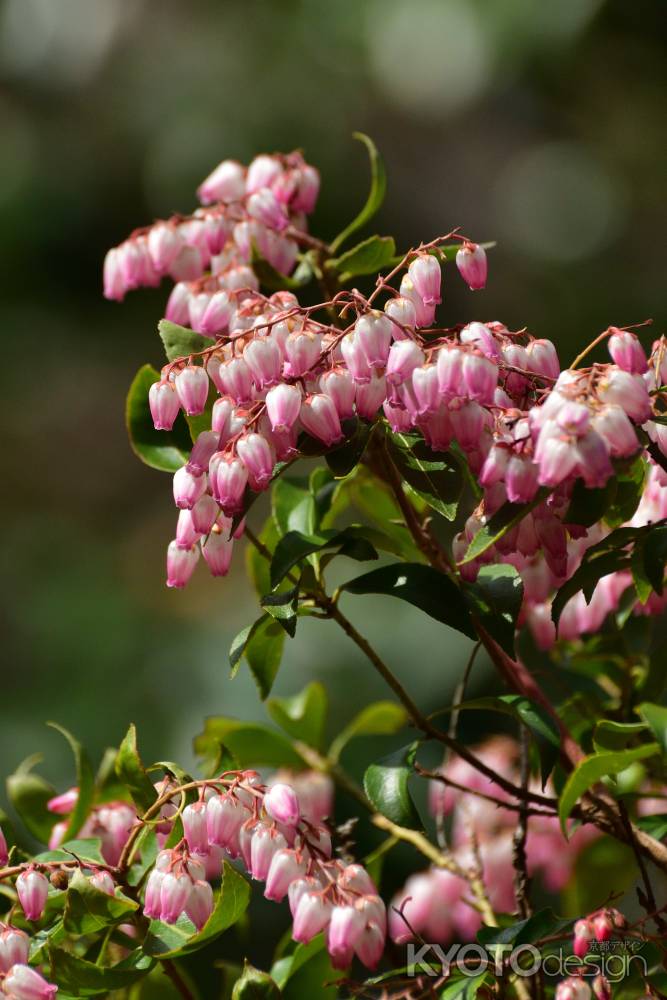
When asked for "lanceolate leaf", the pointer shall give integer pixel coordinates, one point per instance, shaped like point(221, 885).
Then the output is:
point(262, 645)
point(375, 195)
point(386, 785)
point(368, 257)
point(591, 769)
point(495, 600)
point(163, 450)
point(29, 793)
point(85, 780)
point(303, 716)
point(180, 342)
point(656, 718)
point(282, 607)
point(88, 909)
point(295, 546)
point(436, 478)
point(131, 772)
point(507, 517)
point(79, 978)
point(251, 743)
point(382, 718)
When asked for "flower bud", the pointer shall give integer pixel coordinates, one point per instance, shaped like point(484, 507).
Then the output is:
point(178, 304)
point(224, 816)
point(114, 282)
point(613, 424)
point(216, 315)
point(402, 313)
point(480, 376)
point(542, 358)
point(200, 903)
point(188, 265)
point(425, 385)
point(180, 564)
point(370, 945)
point(14, 948)
point(264, 844)
point(203, 449)
point(480, 336)
point(312, 915)
point(221, 418)
point(404, 357)
point(186, 535)
point(557, 460)
point(236, 379)
point(262, 172)
point(603, 925)
point(573, 988)
point(345, 929)
point(174, 895)
point(225, 183)
point(594, 463)
point(217, 550)
point(32, 889)
point(286, 866)
point(424, 272)
point(467, 421)
point(152, 895)
point(164, 243)
point(164, 405)
point(601, 988)
point(627, 391)
point(583, 935)
point(265, 207)
point(264, 360)
point(355, 359)
point(521, 479)
point(24, 983)
point(320, 418)
point(370, 397)
point(627, 352)
point(255, 453)
point(102, 880)
point(495, 465)
point(194, 828)
point(472, 264)
point(191, 385)
point(373, 332)
point(283, 404)
point(228, 477)
point(450, 370)
point(282, 804)
point(203, 515)
point(302, 350)
point(424, 312)
point(187, 488)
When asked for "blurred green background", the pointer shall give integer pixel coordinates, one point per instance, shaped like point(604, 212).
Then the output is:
point(538, 125)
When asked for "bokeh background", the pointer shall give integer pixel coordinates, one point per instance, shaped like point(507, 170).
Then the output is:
point(539, 125)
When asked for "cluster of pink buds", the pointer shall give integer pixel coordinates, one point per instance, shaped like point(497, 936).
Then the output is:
point(598, 926)
point(17, 979)
point(263, 207)
point(111, 822)
point(434, 902)
point(265, 828)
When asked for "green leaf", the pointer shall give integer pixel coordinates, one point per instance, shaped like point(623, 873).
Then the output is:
point(255, 985)
point(655, 825)
point(257, 565)
point(307, 972)
point(463, 987)
point(131, 771)
point(628, 493)
point(250, 743)
point(587, 506)
point(342, 459)
point(282, 607)
point(180, 342)
point(85, 780)
point(163, 450)
point(303, 716)
point(643, 585)
point(79, 978)
point(509, 515)
point(29, 793)
point(386, 785)
point(382, 718)
point(495, 599)
point(262, 645)
point(656, 717)
point(87, 850)
point(275, 280)
point(594, 767)
point(435, 478)
point(89, 910)
point(293, 506)
point(541, 924)
point(172, 941)
point(375, 195)
point(655, 555)
point(367, 257)
point(295, 546)
point(610, 735)
point(422, 586)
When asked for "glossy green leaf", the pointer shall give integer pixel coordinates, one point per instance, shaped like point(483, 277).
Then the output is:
point(85, 782)
point(528, 931)
point(509, 515)
point(86, 849)
point(250, 743)
point(275, 280)
point(293, 506)
point(89, 910)
point(435, 478)
point(588, 506)
point(306, 972)
point(627, 494)
point(303, 716)
point(282, 606)
point(655, 716)
point(255, 985)
point(262, 645)
point(655, 825)
point(295, 546)
point(593, 768)
point(386, 785)
point(78, 978)
point(610, 735)
point(343, 458)
point(172, 941)
point(368, 257)
point(381, 718)
point(422, 586)
point(29, 793)
point(375, 195)
point(655, 556)
point(132, 773)
point(495, 600)
point(163, 450)
point(181, 342)
point(463, 987)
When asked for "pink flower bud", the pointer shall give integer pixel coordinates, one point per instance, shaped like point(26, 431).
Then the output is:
point(188, 265)
point(64, 803)
point(187, 488)
point(495, 465)
point(613, 424)
point(424, 312)
point(302, 350)
point(402, 313)
point(262, 172)
point(203, 449)
point(282, 804)
point(543, 358)
point(370, 397)
point(57, 835)
point(255, 453)
point(370, 946)
point(540, 622)
point(264, 844)
point(217, 550)
point(573, 988)
point(224, 816)
point(217, 229)
point(265, 207)
point(312, 915)
point(603, 926)
point(264, 360)
point(236, 379)
point(24, 983)
point(404, 357)
point(174, 895)
point(200, 903)
point(283, 403)
point(304, 198)
point(216, 315)
point(228, 477)
point(355, 359)
point(345, 929)
point(4, 853)
point(480, 336)
point(178, 304)
point(114, 282)
point(424, 272)
point(467, 421)
point(583, 935)
point(102, 880)
point(472, 264)
point(398, 419)
point(425, 385)
point(221, 417)
point(32, 889)
point(192, 387)
point(298, 889)
point(14, 948)
point(628, 391)
point(203, 515)
point(152, 904)
point(601, 988)
point(225, 183)
point(450, 370)
point(320, 418)
point(627, 352)
point(557, 460)
point(164, 405)
point(480, 376)
point(286, 866)
point(594, 463)
point(180, 564)
point(521, 479)
point(373, 331)
point(186, 535)
point(194, 828)
point(164, 243)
